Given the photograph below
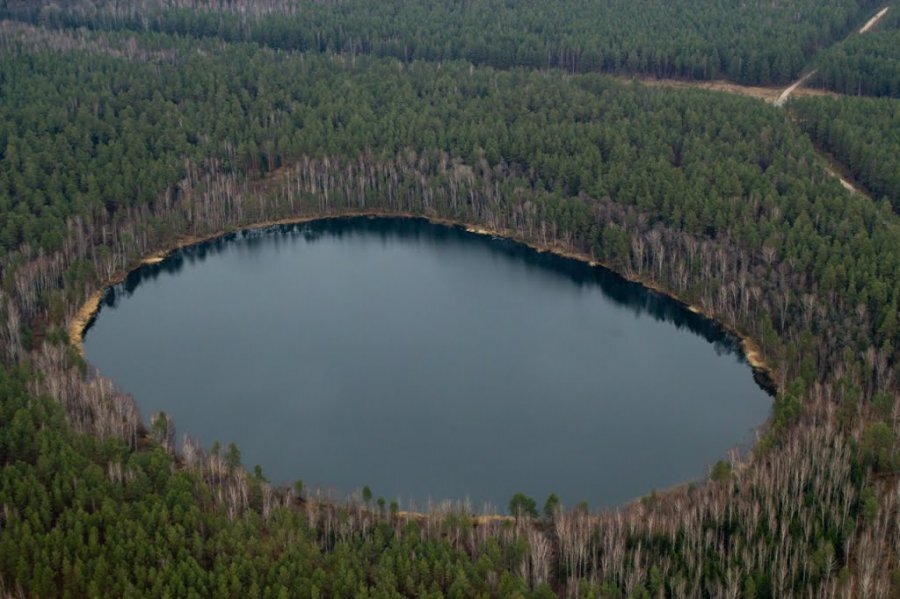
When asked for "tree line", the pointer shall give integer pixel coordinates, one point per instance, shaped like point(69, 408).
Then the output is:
point(114, 145)
point(754, 42)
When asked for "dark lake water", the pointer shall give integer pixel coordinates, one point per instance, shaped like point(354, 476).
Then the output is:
point(427, 362)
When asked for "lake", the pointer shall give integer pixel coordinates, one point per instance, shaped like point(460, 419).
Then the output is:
point(427, 363)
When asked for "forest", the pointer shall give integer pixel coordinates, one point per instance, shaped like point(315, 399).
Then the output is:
point(867, 65)
point(127, 127)
point(861, 133)
point(752, 42)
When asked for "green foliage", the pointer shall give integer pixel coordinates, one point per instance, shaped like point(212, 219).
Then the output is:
point(787, 409)
point(751, 42)
point(864, 135)
point(720, 472)
point(748, 591)
point(97, 127)
point(868, 504)
point(878, 448)
point(258, 474)
point(521, 505)
point(713, 166)
point(867, 64)
point(883, 405)
point(233, 456)
point(550, 506)
point(70, 529)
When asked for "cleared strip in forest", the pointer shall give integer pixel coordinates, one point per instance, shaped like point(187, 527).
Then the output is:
point(766, 94)
point(769, 95)
point(786, 94)
point(874, 20)
point(772, 96)
point(833, 168)
point(839, 171)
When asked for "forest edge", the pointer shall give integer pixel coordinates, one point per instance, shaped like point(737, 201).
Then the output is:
point(763, 373)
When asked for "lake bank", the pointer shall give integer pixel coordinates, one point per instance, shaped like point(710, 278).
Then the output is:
point(521, 330)
point(764, 373)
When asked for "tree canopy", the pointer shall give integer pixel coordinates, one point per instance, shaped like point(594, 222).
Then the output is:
point(753, 42)
point(128, 128)
point(867, 65)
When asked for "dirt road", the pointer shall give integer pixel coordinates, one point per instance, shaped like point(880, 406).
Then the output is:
point(786, 94)
point(871, 22)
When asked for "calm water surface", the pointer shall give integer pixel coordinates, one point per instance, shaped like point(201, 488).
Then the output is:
point(427, 362)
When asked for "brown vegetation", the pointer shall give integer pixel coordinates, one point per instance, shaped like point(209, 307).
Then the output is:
point(804, 484)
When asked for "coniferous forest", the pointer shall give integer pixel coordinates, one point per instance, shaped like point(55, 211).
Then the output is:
point(130, 127)
point(861, 133)
point(867, 65)
point(755, 42)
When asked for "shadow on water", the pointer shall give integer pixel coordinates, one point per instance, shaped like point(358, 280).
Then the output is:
point(637, 298)
point(528, 372)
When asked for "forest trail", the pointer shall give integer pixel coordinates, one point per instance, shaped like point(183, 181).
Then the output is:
point(778, 98)
point(832, 166)
point(770, 95)
point(842, 180)
point(874, 20)
point(840, 172)
point(786, 94)
point(766, 94)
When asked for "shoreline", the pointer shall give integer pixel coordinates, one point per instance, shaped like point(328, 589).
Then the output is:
point(763, 373)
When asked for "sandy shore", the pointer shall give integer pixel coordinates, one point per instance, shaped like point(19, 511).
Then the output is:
point(88, 310)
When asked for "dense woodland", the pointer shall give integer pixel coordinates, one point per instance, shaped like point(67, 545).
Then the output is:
point(861, 133)
point(752, 42)
point(867, 65)
point(116, 141)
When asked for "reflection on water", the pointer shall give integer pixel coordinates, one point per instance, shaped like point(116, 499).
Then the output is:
point(426, 361)
point(623, 292)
